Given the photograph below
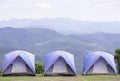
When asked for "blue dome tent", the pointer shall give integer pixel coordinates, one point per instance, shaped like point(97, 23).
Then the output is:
point(99, 63)
point(19, 63)
point(59, 63)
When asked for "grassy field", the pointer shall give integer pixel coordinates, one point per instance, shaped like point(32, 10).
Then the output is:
point(62, 78)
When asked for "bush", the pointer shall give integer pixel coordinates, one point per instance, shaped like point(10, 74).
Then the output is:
point(39, 68)
point(0, 73)
point(117, 59)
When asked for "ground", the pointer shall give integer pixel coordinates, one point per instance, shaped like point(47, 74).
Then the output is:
point(62, 78)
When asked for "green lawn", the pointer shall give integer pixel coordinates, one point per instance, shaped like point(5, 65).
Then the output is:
point(62, 78)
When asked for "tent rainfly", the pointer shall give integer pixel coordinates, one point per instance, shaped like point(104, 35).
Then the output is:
point(98, 63)
point(19, 63)
point(59, 63)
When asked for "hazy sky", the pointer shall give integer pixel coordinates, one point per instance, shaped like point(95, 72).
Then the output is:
point(88, 10)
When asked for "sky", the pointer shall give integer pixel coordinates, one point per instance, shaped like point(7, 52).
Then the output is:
point(84, 10)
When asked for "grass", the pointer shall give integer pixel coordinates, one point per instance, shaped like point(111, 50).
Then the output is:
point(62, 78)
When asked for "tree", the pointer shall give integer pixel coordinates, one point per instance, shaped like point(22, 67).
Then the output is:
point(39, 68)
point(117, 59)
point(0, 73)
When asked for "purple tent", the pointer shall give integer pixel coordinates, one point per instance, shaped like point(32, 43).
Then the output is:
point(59, 63)
point(99, 63)
point(19, 63)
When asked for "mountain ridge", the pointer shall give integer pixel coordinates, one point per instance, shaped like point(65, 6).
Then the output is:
point(64, 25)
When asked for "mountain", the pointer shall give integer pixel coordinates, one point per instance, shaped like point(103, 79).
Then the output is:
point(42, 41)
point(64, 25)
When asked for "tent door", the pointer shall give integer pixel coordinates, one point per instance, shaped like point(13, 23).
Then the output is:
point(19, 66)
point(100, 67)
point(59, 66)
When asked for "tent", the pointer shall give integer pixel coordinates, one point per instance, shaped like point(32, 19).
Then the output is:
point(59, 63)
point(99, 63)
point(19, 63)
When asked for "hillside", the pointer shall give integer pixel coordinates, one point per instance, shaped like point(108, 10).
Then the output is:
point(42, 41)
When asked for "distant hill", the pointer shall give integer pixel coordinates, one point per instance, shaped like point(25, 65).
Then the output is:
point(42, 41)
point(64, 25)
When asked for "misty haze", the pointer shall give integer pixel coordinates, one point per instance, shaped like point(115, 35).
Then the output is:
point(64, 25)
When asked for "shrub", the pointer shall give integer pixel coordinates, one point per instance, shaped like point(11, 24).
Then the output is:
point(0, 73)
point(117, 59)
point(39, 68)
